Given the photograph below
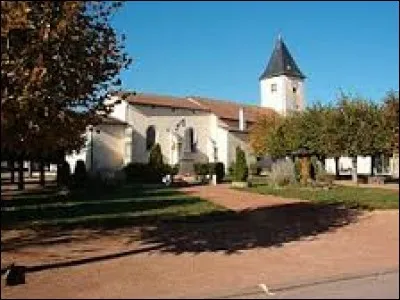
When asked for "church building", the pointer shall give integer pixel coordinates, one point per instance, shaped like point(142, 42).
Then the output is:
point(191, 129)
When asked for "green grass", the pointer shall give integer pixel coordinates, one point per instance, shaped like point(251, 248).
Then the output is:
point(366, 198)
point(127, 205)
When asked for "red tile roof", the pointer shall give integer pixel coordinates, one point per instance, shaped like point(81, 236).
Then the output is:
point(230, 110)
point(165, 101)
point(227, 110)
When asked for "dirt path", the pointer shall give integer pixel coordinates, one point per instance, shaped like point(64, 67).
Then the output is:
point(236, 200)
point(175, 269)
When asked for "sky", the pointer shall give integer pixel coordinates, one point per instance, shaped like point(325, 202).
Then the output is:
point(219, 49)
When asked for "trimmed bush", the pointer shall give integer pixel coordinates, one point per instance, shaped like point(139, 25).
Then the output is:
point(231, 169)
point(241, 170)
point(201, 169)
point(64, 174)
point(171, 169)
point(218, 169)
point(157, 168)
point(80, 174)
point(282, 173)
point(141, 173)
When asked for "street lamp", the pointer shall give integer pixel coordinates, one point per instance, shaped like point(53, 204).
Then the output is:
point(91, 129)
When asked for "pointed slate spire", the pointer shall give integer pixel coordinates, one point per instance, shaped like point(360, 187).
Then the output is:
point(281, 63)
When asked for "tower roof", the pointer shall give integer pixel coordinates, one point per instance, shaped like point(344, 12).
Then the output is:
point(281, 63)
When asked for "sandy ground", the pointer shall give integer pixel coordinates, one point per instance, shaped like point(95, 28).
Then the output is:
point(143, 267)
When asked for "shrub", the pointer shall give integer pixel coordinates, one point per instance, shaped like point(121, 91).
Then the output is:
point(80, 174)
point(282, 173)
point(254, 169)
point(241, 170)
point(231, 169)
point(156, 166)
point(218, 169)
point(143, 173)
point(155, 157)
point(171, 169)
point(201, 169)
point(63, 174)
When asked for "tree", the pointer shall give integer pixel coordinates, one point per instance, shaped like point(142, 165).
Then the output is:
point(260, 131)
point(241, 171)
point(156, 162)
point(390, 111)
point(360, 129)
point(60, 61)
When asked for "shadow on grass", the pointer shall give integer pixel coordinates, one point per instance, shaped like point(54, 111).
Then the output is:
point(226, 231)
point(49, 196)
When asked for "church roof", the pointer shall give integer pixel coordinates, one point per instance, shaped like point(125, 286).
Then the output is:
point(162, 101)
point(230, 110)
point(225, 110)
point(281, 63)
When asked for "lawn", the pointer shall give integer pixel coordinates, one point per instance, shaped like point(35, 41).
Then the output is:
point(127, 205)
point(365, 198)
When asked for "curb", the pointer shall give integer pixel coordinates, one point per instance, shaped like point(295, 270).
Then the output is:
point(290, 286)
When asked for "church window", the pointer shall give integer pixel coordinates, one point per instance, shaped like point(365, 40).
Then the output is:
point(274, 87)
point(150, 137)
point(189, 139)
point(294, 89)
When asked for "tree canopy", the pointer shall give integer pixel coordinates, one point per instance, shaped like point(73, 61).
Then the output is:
point(60, 61)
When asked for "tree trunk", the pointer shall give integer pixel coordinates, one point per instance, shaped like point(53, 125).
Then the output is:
point(354, 169)
point(12, 170)
point(305, 170)
point(20, 174)
point(372, 164)
point(42, 174)
point(337, 167)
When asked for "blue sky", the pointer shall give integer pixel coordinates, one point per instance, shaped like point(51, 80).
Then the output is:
point(219, 49)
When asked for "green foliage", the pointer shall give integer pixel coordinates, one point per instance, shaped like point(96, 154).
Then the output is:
point(366, 198)
point(80, 174)
point(155, 157)
point(156, 164)
point(241, 170)
point(171, 169)
point(201, 169)
point(218, 169)
point(390, 112)
point(63, 174)
point(231, 169)
point(62, 61)
point(147, 173)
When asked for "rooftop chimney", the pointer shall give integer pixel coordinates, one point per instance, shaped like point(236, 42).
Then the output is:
point(241, 119)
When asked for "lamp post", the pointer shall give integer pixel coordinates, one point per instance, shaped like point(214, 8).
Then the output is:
point(91, 129)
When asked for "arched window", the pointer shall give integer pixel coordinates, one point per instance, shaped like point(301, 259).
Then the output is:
point(189, 139)
point(150, 137)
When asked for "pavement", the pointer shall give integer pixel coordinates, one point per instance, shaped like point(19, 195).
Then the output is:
point(380, 285)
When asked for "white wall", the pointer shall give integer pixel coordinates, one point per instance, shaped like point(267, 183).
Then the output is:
point(274, 100)
point(108, 149)
point(283, 98)
point(164, 119)
point(345, 165)
point(294, 98)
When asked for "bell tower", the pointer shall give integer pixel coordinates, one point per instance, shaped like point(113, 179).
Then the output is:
point(282, 82)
